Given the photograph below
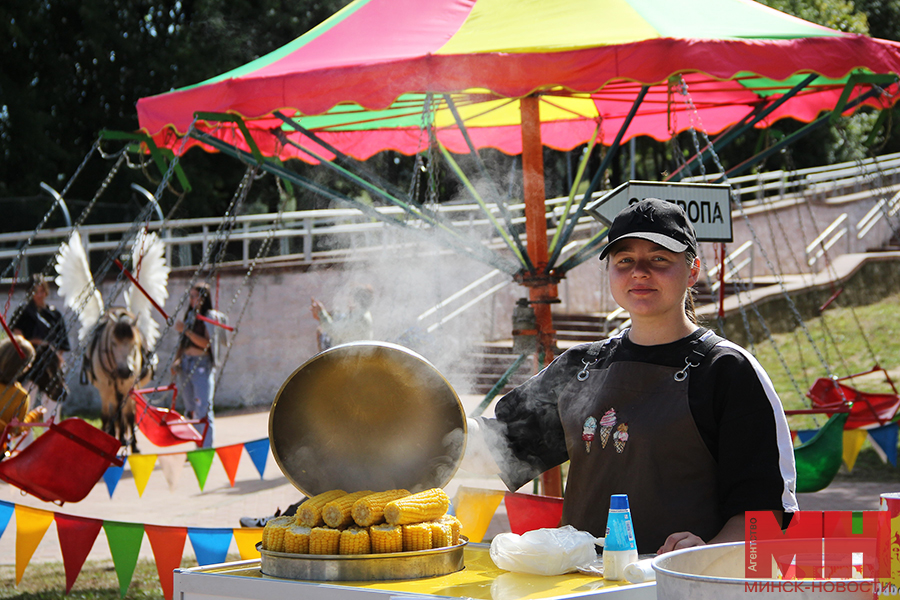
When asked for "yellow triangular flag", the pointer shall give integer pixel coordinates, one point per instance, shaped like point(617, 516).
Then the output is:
point(246, 539)
point(172, 467)
point(853, 441)
point(141, 467)
point(31, 525)
point(475, 508)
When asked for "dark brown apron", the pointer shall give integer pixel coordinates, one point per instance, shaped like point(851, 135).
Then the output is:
point(653, 452)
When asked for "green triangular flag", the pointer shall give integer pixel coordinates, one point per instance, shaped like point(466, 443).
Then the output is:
point(201, 461)
point(124, 545)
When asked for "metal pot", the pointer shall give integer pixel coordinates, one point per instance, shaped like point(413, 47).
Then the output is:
point(367, 416)
point(716, 572)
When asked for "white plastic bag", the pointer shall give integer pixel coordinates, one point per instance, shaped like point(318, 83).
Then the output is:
point(544, 551)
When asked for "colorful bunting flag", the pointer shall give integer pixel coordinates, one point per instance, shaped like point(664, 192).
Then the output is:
point(884, 441)
point(259, 453)
point(168, 549)
point(6, 511)
point(210, 545)
point(201, 461)
point(111, 476)
point(124, 545)
point(475, 508)
point(31, 525)
point(172, 467)
point(804, 435)
point(853, 441)
point(246, 539)
point(76, 538)
point(141, 467)
point(231, 458)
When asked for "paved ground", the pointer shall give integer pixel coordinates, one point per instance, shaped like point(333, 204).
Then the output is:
point(220, 505)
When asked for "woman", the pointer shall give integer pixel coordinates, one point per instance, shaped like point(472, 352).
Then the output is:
point(684, 422)
point(194, 363)
point(40, 321)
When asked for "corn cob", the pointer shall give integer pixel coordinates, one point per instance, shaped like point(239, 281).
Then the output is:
point(455, 527)
point(386, 538)
point(337, 512)
point(273, 533)
point(355, 540)
point(425, 506)
point(416, 536)
point(370, 509)
point(441, 534)
point(324, 540)
point(310, 512)
point(296, 539)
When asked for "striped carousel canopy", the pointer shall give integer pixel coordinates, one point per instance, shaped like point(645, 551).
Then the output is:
point(373, 75)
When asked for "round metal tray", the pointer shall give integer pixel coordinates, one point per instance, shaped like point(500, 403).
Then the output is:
point(363, 567)
point(367, 416)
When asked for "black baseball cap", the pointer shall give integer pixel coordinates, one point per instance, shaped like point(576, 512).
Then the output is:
point(655, 220)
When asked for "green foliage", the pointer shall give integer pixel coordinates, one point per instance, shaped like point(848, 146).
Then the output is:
point(71, 68)
point(837, 14)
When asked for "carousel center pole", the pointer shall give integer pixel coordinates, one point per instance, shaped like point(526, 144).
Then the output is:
point(542, 288)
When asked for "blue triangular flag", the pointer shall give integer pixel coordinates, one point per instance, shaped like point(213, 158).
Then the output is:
point(6, 511)
point(111, 476)
point(210, 545)
point(804, 435)
point(259, 453)
point(886, 439)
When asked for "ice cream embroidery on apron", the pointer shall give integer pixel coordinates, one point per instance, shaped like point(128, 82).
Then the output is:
point(607, 422)
point(587, 435)
point(620, 437)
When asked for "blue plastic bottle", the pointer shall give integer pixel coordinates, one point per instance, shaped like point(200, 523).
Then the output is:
point(620, 548)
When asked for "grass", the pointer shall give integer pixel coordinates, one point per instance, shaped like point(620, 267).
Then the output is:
point(97, 581)
point(845, 341)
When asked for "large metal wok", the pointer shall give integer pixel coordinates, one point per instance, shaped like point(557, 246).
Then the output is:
point(366, 416)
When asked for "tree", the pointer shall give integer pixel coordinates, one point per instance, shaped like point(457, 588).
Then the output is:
point(72, 68)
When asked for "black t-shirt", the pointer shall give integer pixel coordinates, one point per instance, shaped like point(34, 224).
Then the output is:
point(731, 398)
point(45, 324)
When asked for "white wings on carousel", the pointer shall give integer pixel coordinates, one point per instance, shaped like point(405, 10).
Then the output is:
point(76, 285)
point(149, 267)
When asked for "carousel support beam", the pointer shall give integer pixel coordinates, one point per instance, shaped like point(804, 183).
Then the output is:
point(751, 119)
point(156, 153)
point(342, 158)
point(542, 288)
point(595, 181)
point(790, 139)
point(478, 253)
point(495, 189)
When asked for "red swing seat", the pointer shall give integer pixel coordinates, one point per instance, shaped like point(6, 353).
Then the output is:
point(165, 426)
point(867, 410)
point(62, 465)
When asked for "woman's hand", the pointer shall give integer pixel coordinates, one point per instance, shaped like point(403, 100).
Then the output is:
point(176, 366)
point(179, 326)
point(682, 539)
point(316, 308)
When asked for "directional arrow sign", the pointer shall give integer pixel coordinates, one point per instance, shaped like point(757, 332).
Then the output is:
point(707, 205)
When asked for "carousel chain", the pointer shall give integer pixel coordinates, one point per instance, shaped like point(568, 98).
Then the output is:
point(223, 234)
point(735, 198)
point(142, 220)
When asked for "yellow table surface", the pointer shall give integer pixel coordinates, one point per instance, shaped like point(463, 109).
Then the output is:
point(480, 579)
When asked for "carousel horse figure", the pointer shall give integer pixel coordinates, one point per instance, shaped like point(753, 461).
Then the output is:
point(117, 357)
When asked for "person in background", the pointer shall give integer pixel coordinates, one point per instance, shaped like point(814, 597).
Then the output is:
point(40, 321)
point(199, 354)
point(14, 399)
point(340, 328)
point(684, 422)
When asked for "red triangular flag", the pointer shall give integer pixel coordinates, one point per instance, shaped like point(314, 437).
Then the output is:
point(76, 538)
point(168, 548)
point(231, 458)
